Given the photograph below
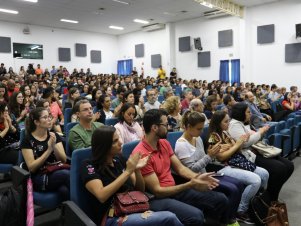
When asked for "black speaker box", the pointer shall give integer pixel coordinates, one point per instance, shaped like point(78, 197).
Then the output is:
point(198, 44)
point(298, 30)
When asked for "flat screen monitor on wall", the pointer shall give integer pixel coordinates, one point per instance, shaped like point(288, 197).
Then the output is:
point(27, 51)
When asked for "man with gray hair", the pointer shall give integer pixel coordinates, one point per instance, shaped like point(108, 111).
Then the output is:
point(152, 102)
point(197, 105)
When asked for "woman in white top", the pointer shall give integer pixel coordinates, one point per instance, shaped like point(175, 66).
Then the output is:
point(190, 150)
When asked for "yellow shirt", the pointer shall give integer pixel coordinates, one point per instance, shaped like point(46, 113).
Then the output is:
point(161, 74)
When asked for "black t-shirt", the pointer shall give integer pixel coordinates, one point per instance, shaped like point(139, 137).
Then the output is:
point(39, 147)
point(89, 172)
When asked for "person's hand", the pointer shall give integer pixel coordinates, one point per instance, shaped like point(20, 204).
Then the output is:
point(264, 120)
point(31, 99)
point(269, 118)
point(263, 129)
point(225, 147)
point(8, 119)
point(141, 100)
point(51, 141)
point(243, 138)
point(213, 150)
point(96, 116)
point(142, 162)
point(132, 162)
point(204, 182)
point(23, 113)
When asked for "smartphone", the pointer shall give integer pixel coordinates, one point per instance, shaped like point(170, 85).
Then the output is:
point(218, 174)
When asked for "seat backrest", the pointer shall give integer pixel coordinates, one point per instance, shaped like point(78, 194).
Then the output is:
point(67, 117)
point(78, 193)
point(128, 148)
point(69, 126)
point(111, 121)
point(280, 126)
point(172, 138)
point(270, 131)
point(160, 98)
point(289, 123)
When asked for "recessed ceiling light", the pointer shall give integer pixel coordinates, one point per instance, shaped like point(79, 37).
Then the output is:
point(34, 1)
point(141, 21)
point(122, 2)
point(207, 4)
point(8, 11)
point(116, 27)
point(69, 21)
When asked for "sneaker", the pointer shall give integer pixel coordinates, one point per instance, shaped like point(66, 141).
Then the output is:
point(244, 217)
point(234, 224)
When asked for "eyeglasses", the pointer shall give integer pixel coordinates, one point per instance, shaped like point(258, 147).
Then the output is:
point(162, 124)
point(49, 117)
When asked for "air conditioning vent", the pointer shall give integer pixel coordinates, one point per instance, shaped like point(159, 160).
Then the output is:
point(26, 31)
point(215, 14)
point(153, 27)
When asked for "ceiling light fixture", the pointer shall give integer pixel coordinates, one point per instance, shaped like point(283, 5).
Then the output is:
point(69, 21)
point(141, 21)
point(8, 11)
point(34, 1)
point(122, 2)
point(225, 6)
point(116, 27)
point(207, 4)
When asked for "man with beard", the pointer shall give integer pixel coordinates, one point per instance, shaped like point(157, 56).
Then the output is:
point(152, 102)
point(187, 200)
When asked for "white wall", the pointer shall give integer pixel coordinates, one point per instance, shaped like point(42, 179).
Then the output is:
point(53, 38)
point(266, 63)
point(155, 42)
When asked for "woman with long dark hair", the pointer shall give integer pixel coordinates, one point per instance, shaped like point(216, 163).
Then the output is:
point(17, 107)
point(3, 93)
point(108, 173)
point(41, 148)
point(279, 168)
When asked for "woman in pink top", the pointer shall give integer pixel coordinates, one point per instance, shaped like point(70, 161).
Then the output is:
point(128, 129)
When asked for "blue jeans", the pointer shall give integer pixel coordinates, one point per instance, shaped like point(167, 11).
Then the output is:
point(233, 189)
point(162, 218)
point(189, 205)
point(252, 180)
point(57, 181)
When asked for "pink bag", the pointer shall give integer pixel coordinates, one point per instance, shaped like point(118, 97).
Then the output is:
point(30, 208)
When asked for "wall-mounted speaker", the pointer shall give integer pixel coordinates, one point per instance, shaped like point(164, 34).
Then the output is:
point(298, 30)
point(198, 44)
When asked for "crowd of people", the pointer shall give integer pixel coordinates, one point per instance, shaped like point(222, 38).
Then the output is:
point(147, 108)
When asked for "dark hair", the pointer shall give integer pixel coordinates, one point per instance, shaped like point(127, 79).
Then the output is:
point(126, 94)
point(94, 91)
point(101, 101)
point(5, 93)
point(215, 122)
point(47, 92)
point(210, 99)
point(35, 114)
point(152, 117)
point(41, 103)
point(72, 91)
point(22, 89)
point(239, 111)
point(227, 99)
point(14, 106)
point(77, 103)
point(3, 105)
point(101, 147)
point(124, 108)
point(192, 118)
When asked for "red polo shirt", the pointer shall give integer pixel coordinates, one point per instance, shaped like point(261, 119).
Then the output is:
point(159, 162)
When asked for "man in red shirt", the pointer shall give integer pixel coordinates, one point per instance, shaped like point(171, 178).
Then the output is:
point(187, 200)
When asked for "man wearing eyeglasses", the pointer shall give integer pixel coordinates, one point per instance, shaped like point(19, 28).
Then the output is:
point(187, 200)
point(81, 134)
point(152, 102)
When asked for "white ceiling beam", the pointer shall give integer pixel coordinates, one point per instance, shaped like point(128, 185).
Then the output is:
point(225, 6)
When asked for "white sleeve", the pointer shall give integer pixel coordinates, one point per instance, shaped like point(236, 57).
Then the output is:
point(182, 149)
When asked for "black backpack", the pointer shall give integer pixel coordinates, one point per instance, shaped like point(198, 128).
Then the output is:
point(10, 207)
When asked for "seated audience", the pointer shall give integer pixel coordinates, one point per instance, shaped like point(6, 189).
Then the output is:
point(9, 137)
point(103, 106)
point(108, 173)
point(288, 103)
point(187, 93)
point(279, 168)
point(187, 200)
point(80, 135)
point(3, 93)
point(17, 108)
point(128, 130)
point(152, 102)
point(252, 180)
point(73, 93)
point(198, 106)
point(190, 151)
point(173, 107)
point(210, 106)
point(40, 148)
